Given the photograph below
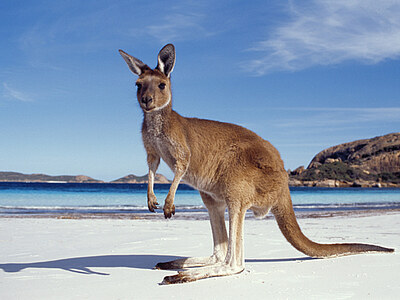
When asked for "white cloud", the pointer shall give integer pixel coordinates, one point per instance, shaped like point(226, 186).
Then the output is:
point(94, 28)
point(14, 94)
point(185, 20)
point(177, 26)
point(330, 32)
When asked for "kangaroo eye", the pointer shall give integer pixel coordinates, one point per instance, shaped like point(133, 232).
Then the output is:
point(161, 86)
point(139, 86)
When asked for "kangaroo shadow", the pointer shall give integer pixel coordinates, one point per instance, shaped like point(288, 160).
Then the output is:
point(82, 265)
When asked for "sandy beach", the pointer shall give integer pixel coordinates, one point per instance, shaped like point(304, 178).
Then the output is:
point(105, 258)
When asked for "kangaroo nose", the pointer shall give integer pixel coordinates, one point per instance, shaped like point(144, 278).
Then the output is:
point(147, 100)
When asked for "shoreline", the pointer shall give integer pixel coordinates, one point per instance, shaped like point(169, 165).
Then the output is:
point(326, 183)
point(199, 215)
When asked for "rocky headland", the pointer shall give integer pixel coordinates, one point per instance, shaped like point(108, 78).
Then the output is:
point(371, 162)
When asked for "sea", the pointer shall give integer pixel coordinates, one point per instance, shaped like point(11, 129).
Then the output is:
point(106, 198)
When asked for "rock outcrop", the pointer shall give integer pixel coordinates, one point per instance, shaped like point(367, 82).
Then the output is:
point(362, 163)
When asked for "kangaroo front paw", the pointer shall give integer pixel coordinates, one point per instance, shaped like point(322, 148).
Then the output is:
point(169, 210)
point(152, 202)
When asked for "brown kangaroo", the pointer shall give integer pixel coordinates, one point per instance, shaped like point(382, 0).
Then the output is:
point(231, 166)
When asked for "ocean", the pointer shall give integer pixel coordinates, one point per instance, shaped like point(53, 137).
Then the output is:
point(63, 198)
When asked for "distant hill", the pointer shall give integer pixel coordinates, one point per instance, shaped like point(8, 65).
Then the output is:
point(19, 177)
point(368, 162)
point(159, 178)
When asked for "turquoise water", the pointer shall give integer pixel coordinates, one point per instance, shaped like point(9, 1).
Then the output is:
point(19, 198)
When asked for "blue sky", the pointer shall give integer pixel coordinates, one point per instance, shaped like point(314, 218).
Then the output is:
point(304, 75)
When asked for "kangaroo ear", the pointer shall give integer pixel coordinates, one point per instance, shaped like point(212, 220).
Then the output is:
point(136, 65)
point(166, 59)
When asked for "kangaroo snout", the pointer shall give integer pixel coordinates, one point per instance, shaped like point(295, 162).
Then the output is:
point(147, 100)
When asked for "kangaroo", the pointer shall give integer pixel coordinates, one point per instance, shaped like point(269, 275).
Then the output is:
point(232, 168)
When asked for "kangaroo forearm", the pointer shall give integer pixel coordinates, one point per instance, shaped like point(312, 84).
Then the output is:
point(169, 207)
point(150, 185)
point(153, 162)
point(173, 188)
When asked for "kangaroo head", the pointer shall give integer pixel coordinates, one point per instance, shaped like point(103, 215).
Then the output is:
point(153, 85)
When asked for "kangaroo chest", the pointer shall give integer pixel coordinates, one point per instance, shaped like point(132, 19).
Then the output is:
point(163, 147)
point(154, 134)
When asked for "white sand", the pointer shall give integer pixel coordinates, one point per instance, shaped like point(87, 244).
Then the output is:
point(113, 259)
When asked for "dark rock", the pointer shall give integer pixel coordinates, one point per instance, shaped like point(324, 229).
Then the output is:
point(360, 163)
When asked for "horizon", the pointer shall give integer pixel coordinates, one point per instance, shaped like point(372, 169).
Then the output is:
point(304, 76)
point(133, 173)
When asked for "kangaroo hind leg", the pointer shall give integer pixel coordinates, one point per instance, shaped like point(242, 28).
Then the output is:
point(234, 261)
point(216, 211)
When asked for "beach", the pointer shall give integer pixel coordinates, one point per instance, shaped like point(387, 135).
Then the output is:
point(68, 257)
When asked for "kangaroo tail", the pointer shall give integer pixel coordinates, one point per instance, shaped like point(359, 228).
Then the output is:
point(287, 223)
